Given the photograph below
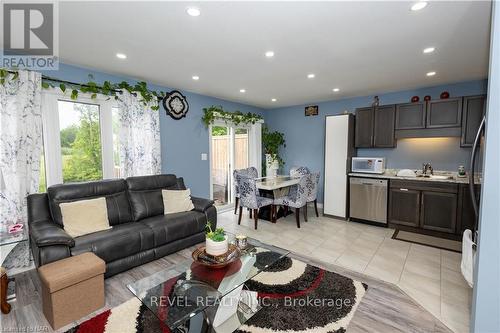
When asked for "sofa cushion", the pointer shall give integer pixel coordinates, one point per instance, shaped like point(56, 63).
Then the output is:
point(119, 242)
point(115, 192)
point(171, 227)
point(85, 216)
point(145, 193)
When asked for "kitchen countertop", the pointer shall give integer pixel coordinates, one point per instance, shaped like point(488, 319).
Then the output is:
point(391, 174)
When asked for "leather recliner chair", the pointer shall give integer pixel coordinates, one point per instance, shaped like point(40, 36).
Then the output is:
point(140, 231)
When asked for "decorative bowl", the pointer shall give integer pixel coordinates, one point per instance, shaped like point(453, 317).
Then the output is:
point(200, 256)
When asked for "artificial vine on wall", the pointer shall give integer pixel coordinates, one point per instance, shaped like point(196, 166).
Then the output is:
point(92, 88)
point(213, 113)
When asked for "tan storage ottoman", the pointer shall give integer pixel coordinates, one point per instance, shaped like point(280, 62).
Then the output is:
point(72, 288)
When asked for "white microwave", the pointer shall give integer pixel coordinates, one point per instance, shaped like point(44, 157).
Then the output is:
point(368, 164)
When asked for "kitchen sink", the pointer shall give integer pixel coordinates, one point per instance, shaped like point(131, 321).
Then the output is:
point(435, 176)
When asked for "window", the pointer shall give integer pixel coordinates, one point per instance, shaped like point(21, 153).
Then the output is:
point(42, 187)
point(229, 151)
point(78, 139)
point(116, 142)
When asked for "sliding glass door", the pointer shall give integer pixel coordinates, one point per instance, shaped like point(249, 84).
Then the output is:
point(229, 151)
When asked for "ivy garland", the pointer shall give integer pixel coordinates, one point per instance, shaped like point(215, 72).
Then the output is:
point(92, 88)
point(213, 112)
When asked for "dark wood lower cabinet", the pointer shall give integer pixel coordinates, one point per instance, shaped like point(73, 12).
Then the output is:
point(439, 211)
point(404, 206)
point(427, 207)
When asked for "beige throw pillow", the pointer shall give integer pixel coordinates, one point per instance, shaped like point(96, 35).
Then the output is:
point(85, 216)
point(176, 201)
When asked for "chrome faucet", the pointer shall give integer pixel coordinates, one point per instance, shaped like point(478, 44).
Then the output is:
point(427, 167)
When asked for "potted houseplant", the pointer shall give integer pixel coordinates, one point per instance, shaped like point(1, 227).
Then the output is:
point(272, 141)
point(216, 241)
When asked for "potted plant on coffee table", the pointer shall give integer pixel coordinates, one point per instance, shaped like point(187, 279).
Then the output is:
point(216, 241)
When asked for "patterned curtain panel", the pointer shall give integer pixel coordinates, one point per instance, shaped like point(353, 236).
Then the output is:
point(20, 144)
point(140, 152)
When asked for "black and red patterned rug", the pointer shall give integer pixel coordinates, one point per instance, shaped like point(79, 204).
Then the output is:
point(296, 297)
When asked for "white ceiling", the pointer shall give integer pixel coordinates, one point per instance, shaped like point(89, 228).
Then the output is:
point(360, 47)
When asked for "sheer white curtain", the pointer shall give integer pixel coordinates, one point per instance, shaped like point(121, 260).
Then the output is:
point(139, 139)
point(20, 144)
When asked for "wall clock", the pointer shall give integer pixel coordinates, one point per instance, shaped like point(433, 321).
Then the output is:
point(175, 104)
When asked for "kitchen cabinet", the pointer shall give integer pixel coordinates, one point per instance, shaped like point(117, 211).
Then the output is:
point(383, 128)
point(375, 127)
point(424, 206)
point(466, 216)
point(404, 206)
point(363, 137)
point(439, 211)
point(444, 113)
point(473, 111)
point(410, 115)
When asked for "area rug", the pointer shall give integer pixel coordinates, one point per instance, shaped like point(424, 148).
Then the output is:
point(439, 243)
point(295, 297)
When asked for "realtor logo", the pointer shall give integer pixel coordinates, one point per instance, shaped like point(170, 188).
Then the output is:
point(29, 36)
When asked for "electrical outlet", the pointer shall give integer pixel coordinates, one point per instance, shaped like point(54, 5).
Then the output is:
point(204, 156)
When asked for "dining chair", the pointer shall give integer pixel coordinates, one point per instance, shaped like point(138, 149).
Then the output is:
point(297, 171)
point(249, 198)
point(312, 195)
point(297, 199)
point(250, 172)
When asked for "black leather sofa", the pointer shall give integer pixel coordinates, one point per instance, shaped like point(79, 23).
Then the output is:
point(140, 231)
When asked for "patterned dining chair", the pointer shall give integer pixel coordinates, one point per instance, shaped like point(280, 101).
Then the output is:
point(312, 189)
point(297, 199)
point(249, 198)
point(250, 172)
point(297, 171)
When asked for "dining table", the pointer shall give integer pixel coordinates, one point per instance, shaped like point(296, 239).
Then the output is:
point(274, 187)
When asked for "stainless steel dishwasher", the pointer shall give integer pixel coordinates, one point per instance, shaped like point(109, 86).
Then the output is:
point(368, 199)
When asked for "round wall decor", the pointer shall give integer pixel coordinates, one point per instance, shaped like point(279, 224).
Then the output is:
point(175, 104)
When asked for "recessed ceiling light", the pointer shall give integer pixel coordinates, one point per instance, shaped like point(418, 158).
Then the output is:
point(336, 89)
point(310, 76)
point(121, 56)
point(242, 90)
point(419, 5)
point(431, 73)
point(196, 77)
point(269, 54)
point(273, 99)
point(429, 49)
point(193, 11)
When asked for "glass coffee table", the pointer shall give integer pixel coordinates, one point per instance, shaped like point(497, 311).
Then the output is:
point(190, 297)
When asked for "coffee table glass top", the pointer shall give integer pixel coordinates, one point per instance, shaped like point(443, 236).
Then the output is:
point(178, 293)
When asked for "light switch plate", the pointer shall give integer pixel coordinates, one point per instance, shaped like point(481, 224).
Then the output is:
point(204, 156)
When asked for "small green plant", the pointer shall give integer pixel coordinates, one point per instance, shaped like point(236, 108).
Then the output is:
point(217, 235)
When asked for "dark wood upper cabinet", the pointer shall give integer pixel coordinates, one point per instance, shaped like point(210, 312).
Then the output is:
point(404, 206)
point(410, 115)
point(439, 211)
point(364, 128)
point(383, 128)
point(444, 113)
point(473, 111)
point(375, 127)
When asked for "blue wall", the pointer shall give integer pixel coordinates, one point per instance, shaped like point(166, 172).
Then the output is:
point(305, 135)
point(182, 141)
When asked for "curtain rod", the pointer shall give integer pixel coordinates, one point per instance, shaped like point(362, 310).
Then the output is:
point(48, 78)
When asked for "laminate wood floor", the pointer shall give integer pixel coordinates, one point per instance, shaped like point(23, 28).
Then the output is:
point(384, 308)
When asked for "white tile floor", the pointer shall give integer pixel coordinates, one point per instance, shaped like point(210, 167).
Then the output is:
point(430, 276)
